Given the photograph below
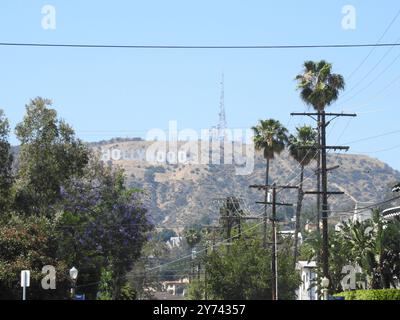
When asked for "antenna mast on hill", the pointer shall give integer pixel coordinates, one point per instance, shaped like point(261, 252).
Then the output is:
point(221, 127)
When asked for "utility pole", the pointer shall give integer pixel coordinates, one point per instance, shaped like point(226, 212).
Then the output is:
point(322, 147)
point(274, 203)
point(319, 185)
point(205, 276)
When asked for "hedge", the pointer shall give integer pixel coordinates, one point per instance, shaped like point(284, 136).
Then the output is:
point(384, 294)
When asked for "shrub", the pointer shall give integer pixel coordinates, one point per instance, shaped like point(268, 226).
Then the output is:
point(384, 294)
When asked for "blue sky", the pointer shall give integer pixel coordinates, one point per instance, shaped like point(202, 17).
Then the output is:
point(105, 93)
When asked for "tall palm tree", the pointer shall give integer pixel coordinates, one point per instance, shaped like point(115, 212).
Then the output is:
point(319, 88)
point(302, 149)
point(270, 136)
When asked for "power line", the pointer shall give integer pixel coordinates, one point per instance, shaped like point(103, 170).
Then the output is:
point(372, 81)
point(370, 71)
point(374, 137)
point(367, 207)
point(378, 151)
point(373, 48)
point(111, 46)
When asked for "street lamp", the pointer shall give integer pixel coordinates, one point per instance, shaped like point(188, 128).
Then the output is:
point(325, 285)
point(73, 273)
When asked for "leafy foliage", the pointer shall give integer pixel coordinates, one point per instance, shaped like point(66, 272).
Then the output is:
point(111, 220)
point(244, 272)
point(318, 86)
point(383, 294)
point(6, 159)
point(49, 156)
point(270, 136)
point(29, 244)
point(372, 244)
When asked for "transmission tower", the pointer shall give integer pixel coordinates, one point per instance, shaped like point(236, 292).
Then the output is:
point(221, 127)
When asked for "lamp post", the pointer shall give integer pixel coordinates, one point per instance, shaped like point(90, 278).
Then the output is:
point(73, 273)
point(325, 285)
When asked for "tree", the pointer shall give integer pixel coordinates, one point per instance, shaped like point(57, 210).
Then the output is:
point(192, 237)
point(374, 245)
point(302, 149)
point(6, 159)
point(30, 243)
point(244, 273)
point(319, 88)
point(108, 222)
point(270, 137)
point(166, 234)
point(49, 156)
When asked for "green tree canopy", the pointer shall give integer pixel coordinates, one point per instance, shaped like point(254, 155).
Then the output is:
point(6, 159)
point(244, 272)
point(318, 86)
point(49, 156)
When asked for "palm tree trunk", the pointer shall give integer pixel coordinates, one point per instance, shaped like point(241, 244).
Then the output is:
point(298, 213)
point(265, 205)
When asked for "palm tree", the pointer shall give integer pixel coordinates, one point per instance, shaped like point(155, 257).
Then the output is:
point(192, 236)
point(302, 149)
point(374, 246)
point(270, 137)
point(319, 88)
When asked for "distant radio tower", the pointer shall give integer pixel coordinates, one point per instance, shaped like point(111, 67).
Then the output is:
point(221, 127)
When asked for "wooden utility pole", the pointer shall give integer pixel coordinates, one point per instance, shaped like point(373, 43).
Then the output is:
point(322, 147)
point(274, 203)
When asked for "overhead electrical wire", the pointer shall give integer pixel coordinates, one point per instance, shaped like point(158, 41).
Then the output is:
point(373, 48)
point(251, 47)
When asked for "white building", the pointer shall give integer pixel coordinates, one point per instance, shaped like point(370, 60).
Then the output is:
point(308, 288)
point(291, 233)
point(391, 213)
point(174, 242)
point(178, 287)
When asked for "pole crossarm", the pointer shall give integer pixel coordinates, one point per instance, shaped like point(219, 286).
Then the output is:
point(329, 169)
point(242, 217)
point(263, 187)
point(276, 203)
point(328, 114)
point(346, 148)
point(320, 192)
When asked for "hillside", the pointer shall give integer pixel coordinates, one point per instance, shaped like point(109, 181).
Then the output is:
point(183, 194)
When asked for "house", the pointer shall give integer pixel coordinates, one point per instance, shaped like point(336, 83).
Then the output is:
point(307, 289)
point(310, 227)
point(176, 288)
point(291, 233)
point(391, 213)
point(174, 242)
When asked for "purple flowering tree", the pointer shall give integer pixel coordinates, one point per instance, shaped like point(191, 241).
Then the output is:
point(108, 221)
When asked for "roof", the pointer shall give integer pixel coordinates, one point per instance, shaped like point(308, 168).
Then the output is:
point(306, 264)
point(167, 296)
point(181, 281)
point(396, 188)
point(391, 212)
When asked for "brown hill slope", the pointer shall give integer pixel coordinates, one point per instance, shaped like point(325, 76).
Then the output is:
point(183, 194)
